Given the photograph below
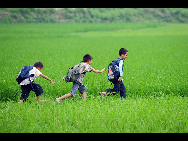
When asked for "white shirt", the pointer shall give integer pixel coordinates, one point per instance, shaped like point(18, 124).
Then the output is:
point(36, 73)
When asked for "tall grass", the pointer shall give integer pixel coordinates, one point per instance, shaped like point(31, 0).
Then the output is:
point(161, 114)
point(155, 76)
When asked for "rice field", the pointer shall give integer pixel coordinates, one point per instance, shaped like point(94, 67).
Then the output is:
point(155, 77)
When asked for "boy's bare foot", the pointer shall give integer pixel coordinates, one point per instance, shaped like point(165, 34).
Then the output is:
point(58, 100)
point(21, 101)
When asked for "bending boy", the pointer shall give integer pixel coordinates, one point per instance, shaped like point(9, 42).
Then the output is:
point(26, 86)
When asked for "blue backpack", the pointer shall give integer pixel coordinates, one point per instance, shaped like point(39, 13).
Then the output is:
point(113, 70)
point(24, 73)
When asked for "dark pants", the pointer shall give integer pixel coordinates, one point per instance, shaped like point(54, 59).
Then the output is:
point(27, 88)
point(118, 87)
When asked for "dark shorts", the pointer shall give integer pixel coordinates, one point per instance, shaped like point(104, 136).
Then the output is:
point(78, 86)
point(27, 88)
point(118, 87)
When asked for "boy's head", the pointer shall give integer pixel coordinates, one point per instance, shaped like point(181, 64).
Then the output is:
point(123, 53)
point(39, 65)
point(87, 59)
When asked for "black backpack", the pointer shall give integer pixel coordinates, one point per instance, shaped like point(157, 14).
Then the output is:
point(113, 71)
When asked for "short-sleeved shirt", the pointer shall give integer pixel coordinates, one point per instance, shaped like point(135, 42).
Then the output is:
point(121, 65)
point(35, 72)
point(83, 69)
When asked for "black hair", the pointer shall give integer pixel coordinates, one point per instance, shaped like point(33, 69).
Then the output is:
point(122, 51)
point(38, 64)
point(87, 57)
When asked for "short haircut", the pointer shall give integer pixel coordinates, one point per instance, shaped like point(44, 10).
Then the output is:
point(87, 57)
point(38, 64)
point(122, 51)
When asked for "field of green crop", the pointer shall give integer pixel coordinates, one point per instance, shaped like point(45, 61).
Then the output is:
point(155, 77)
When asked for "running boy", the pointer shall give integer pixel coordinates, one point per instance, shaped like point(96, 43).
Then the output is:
point(77, 85)
point(26, 86)
point(118, 85)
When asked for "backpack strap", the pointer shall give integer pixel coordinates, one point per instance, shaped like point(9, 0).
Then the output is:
point(31, 84)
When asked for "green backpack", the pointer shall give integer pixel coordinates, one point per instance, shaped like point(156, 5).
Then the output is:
point(73, 73)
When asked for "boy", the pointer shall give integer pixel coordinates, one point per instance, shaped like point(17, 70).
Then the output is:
point(26, 86)
point(77, 85)
point(118, 85)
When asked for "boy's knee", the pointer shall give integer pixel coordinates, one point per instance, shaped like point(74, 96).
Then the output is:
point(38, 89)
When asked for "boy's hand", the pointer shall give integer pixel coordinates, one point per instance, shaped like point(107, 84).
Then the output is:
point(63, 78)
point(97, 71)
point(120, 79)
point(103, 70)
point(52, 82)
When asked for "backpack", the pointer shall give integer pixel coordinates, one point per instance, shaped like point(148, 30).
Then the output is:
point(24, 73)
point(73, 73)
point(113, 71)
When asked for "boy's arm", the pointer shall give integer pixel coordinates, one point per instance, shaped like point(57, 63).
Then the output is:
point(97, 71)
point(44, 76)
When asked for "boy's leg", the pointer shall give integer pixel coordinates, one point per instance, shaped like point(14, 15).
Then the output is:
point(82, 90)
point(37, 89)
point(113, 91)
point(64, 96)
point(38, 98)
point(122, 90)
point(72, 93)
point(25, 92)
point(84, 95)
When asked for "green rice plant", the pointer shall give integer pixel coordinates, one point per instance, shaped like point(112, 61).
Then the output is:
point(161, 114)
point(155, 77)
